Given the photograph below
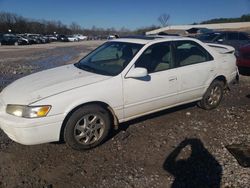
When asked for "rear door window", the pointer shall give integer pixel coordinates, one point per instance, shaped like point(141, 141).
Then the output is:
point(189, 53)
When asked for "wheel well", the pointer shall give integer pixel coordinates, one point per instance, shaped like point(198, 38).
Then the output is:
point(222, 78)
point(101, 104)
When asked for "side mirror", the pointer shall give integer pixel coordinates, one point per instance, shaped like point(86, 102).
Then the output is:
point(137, 72)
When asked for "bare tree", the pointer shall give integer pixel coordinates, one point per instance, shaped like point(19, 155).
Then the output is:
point(164, 19)
point(75, 28)
point(143, 30)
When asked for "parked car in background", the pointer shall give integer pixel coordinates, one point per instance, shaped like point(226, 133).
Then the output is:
point(44, 39)
point(9, 39)
point(72, 38)
point(243, 57)
point(80, 37)
point(111, 37)
point(30, 39)
point(121, 80)
point(62, 38)
point(22, 40)
point(33, 38)
point(232, 38)
point(207, 37)
point(194, 31)
point(38, 39)
point(52, 38)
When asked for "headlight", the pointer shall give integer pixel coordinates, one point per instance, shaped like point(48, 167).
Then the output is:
point(28, 111)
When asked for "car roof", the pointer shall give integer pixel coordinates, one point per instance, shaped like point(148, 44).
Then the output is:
point(148, 39)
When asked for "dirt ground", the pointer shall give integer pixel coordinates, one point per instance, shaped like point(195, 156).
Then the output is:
point(180, 147)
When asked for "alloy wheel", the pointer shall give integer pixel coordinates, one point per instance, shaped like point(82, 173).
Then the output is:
point(89, 129)
point(214, 96)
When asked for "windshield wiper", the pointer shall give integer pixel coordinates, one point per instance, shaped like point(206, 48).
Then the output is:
point(85, 67)
point(92, 69)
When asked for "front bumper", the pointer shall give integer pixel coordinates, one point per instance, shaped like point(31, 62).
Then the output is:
point(31, 131)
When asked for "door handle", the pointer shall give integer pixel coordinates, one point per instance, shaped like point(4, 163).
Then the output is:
point(173, 78)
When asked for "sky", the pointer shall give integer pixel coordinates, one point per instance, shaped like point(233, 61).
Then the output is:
point(131, 14)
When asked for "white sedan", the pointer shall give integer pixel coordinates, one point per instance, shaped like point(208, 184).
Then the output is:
point(80, 37)
point(72, 38)
point(121, 80)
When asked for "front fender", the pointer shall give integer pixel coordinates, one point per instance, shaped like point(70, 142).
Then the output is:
point(108, 92)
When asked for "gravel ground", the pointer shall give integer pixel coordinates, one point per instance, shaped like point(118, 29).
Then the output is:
point(180, 147)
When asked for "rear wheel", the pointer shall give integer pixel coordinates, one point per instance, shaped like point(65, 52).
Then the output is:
point(213, 96)
point(87, 127)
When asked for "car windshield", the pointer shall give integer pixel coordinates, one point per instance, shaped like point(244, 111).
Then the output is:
point(110, 58)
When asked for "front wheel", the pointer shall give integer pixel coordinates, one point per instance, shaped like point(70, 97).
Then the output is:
point(213, 96)
point(87, 127)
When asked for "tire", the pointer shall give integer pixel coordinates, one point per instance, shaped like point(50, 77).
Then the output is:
point(87, 127)
point(213, 96)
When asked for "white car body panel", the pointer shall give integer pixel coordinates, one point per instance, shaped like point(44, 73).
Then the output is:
point(67, 87)
point(72, 39)
point(194, 79)
point(47, 83)
point(154, 92)
point(81, 37)
point(90, 93)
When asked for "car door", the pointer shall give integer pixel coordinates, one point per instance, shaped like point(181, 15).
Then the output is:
point(155, 91)
point(195, 67)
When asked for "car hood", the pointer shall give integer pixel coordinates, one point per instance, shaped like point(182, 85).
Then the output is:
point(43, 84)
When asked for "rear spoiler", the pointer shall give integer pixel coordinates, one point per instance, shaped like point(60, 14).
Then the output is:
point(222, 49)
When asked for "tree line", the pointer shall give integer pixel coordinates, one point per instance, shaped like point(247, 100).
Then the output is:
point(243, 18)
point(14, 23)
point(18, 24)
